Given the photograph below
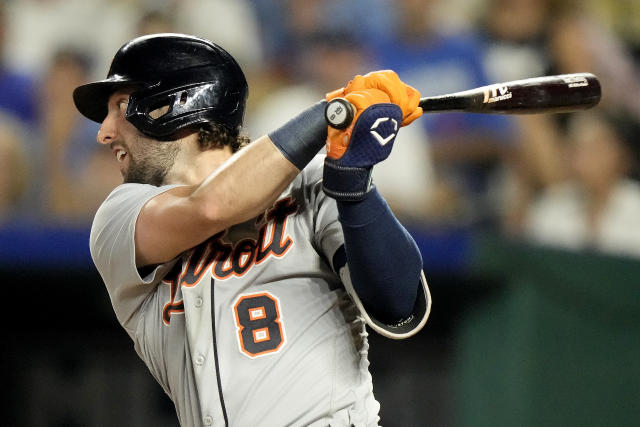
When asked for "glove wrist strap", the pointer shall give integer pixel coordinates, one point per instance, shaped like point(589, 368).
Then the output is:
point(346, 183)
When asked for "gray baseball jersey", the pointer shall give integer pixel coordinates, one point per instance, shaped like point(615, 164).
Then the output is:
point(252, 327)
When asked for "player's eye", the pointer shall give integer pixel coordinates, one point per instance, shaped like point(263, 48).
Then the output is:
point(123, 104)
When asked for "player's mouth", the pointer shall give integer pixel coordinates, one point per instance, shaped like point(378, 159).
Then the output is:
point(122, 156)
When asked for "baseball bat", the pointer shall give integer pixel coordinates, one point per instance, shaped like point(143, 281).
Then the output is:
point(549, 94)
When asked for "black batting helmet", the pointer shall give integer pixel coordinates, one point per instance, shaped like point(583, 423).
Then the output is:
point(187, 79)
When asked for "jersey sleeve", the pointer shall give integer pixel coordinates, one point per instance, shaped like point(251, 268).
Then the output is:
point(113, 249)
point(329, 239)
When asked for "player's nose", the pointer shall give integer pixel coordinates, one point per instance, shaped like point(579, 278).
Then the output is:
point(107, 132)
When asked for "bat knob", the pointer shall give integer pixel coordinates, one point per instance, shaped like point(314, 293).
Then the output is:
point(339, 113)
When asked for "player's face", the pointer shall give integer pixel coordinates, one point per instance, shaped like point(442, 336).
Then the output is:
point(141, 159)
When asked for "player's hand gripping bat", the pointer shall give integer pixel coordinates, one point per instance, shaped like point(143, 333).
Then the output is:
point(549, 94)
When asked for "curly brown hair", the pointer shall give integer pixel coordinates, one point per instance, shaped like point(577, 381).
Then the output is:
point(212, 136)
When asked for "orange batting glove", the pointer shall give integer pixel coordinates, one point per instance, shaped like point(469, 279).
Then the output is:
point(387, 81)
point(338, 140)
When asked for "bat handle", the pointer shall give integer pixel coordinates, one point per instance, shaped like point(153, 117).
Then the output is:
point(339, 113)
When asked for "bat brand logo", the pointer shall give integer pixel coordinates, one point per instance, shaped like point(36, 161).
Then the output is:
point(575, 81)
point(496, 93)
point(381, 140)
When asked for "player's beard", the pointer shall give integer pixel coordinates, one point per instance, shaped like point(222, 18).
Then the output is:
point(151, 161)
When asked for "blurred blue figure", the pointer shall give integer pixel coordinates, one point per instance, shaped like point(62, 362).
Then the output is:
point(468, 149)
point(17, 95)
point(284, 23)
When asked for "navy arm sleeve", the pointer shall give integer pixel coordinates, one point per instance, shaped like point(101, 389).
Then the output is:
point(384, 260)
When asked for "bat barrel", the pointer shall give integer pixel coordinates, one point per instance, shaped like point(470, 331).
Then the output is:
point(549, 94)
point(564, 93)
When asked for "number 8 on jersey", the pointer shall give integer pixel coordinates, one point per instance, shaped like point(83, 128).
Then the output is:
point(258, 320)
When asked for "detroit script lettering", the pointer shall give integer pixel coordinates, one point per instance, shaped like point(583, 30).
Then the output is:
point(231, 260)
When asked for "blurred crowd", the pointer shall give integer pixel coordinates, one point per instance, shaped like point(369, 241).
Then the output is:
point(569, 180)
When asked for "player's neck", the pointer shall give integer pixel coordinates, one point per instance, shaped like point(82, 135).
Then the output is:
point(192, 166)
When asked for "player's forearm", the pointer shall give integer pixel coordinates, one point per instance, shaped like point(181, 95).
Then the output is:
point(254, 178)
point(384, 261)
point(244, 186)
point(240, 189)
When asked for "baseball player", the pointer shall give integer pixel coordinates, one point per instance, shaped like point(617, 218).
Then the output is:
point(245, 273)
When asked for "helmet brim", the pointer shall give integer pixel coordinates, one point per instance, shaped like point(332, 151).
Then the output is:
point(91, 99)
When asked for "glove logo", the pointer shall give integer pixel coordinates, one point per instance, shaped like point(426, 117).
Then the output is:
point(381, 140)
